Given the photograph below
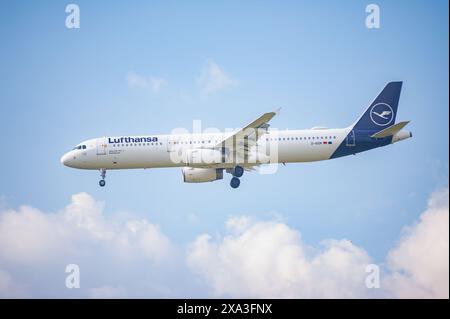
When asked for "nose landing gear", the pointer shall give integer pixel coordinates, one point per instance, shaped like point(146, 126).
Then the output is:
point(102, 182)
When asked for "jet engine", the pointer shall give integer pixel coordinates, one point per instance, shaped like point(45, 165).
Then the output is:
point(201, 175)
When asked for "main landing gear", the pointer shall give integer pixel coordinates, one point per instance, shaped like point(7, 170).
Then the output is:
point(102, 182)
point(237, 172)
point(235, 182)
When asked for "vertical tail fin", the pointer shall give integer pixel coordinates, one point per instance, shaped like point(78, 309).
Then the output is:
point(382, 111)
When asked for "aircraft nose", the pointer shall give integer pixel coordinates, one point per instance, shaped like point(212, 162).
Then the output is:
point(65, 159)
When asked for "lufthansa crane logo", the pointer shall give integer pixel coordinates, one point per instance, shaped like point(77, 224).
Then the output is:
point(381, 114)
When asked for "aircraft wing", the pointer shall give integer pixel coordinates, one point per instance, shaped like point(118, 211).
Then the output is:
point(249, 134)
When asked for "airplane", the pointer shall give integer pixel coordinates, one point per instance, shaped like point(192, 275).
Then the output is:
point(204, 157)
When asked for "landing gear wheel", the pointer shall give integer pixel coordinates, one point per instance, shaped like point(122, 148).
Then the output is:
point(102, 182)
point(235, 182)
point(238, 171)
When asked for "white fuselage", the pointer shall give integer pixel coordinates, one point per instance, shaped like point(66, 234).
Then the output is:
point(205, 157)
point(153, 151)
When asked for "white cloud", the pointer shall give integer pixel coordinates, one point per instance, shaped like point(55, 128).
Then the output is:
point(36, 246)
point(126, 257)
point(8, 289)
point(154, 84)
point(239, 224)
point(268, 260)
point(213, 79)
point(420, 262)
point(2, 201)
point(31, 236)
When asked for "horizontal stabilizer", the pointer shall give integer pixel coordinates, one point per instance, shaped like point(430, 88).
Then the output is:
point(391, 130)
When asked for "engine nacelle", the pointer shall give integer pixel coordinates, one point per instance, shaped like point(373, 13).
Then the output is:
point(201, 175)
point(202, 157)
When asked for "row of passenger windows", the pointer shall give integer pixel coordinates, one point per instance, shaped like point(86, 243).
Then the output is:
point(267, 139)
point(301, 138)
point(138, 144)
point(203, 142)
point(192, 142)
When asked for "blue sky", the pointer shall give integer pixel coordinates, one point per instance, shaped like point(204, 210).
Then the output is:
point(315, 59)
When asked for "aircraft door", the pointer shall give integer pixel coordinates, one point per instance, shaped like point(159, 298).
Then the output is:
point(101, 146)
point(351, 139)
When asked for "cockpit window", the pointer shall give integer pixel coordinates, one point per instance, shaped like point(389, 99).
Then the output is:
point(80, 147)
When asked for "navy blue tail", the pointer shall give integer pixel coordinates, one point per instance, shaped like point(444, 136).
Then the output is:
point(381, 113)
point(378, 116)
